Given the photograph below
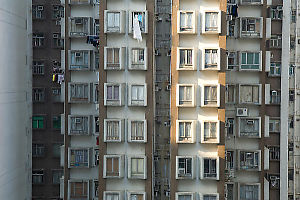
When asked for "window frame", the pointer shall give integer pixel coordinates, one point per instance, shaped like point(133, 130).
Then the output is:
point(121, 58)
point(38, 173)
point(74, 31)
point(251, 64)
point(75, 90)
point(115, 87)
point(202, 168)
point(144, 28)
point(248, 184)
point(119, 193)
point(217, 136)
point(251, 120)
point(86, 157)
point(38, 95)
point(248, 33)
point(186, 29)
point(144, 125)
point(38, 67)
point(121, 129)
point(38, 150)
point(85, 182)
point(40, 118)
point(203, 97)
point(129, 193)
point(117, 24)
point(193, 134)
point(217, 28)
point(256, 163)
point(186, 175)
point(193, 59)
point(142, 63)
point(191, 194)
point(193, 94)
point(259, 94)
point(85, 125)
point(137, 176)
point(137, 102)
point(83, 64)
point(120, 164)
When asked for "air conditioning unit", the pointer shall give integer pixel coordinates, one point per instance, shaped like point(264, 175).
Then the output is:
point(274, 93)
point(241, 112)
point(40, 8)
point(79, 21)
point(78, 55)
point(250, 122)
point(55, 36)
point(78, 120)
point(181, 171)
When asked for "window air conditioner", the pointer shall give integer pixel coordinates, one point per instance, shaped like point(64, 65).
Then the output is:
point(241, 112)
point(40, 8)
point(78, 54)
point(55, 36)
point(181, 171)
point(250, 122)
point(79, 21)
point(78, 120)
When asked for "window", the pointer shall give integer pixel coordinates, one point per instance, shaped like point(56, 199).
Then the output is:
point(138, 59)
point(96, 125)
point(38, 150)
point(210, 168)
point(57, 41)
point(291, 95)
point(37, 176)
point(293, 16)
point(211, 59)
point(276, 41)
point(78, 157)
point(275, 69)
point(229, 160)
point(96, 188)
point(211, 96)
point(96, 27)
point(274, 125)
point(184, 167)
point(112, 166)
point(56, 92)
point(185, 132)
point(138, 95)
point(80, 60)
point(230, 127)
point(250, 94)
point(38, 12)
point(96, 92)
point(184, 196)
point(187, 22)
point(275, 97)
point(56, 150)
point(137, 167)
point(56, 176)
point(211, 21)
point(250, 61)
point(38, 68)
point(136, 195)
point(142, 19)
point(112, 94)
point(291, 70)
point(79, 1)
point(79, 189)
point(186, 95)
point(210, 197)
point(38, 39)
point(229, 191)
point(251, 27)
point(79, 125)
point(112, 130)
point(113, 58)
point(79, 92)
point(251, 1)
point(231, 30)
point(274, 181)
point(232, 60)
point(56, 122)
point(249, 160)
point(38, 122)
point(137, 131)
point(249, 191)
point(186, 58)
point(210, 132)
point(276, 12)
point(96, 157)
point(38, 94)
point(79, 26)
point(274, 153)
point(230, 93)
point(112, 195)
point(249, 127)
point(113, 21)
point(58, 12)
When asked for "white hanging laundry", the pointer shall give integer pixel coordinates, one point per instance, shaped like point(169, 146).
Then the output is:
point(137, 34)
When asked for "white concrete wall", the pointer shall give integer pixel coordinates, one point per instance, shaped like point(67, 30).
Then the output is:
point(15, 99)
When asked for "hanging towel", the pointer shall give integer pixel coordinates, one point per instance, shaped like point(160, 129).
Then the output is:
point(61, 78)
point(137, 34)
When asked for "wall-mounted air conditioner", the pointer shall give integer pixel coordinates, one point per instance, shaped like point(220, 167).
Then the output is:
point(241, 112)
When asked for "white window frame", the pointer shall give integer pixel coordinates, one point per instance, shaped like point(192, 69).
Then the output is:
point(191, 194)
point(80, 121)
point(192, 104)
point(144, 20)
point(129, 193)
point(144, 125)
point(249, 184)
point(202, 174)
point(38, 40)
point(119, 193)
point(116, 28)
point(234, 56)
point(122, 58)
point(230, 161)
point(121, 130)
point(203, 95)
point(256, 163)
point(75, 22)
point(210, 140)
point(276, 41)
point(82, 60)
point(85, 164)
point(275, 69)
point(251, 52)
point(38, 173)
point(186, 29)
point(259, 95)
point(186, 66)
point(204, 22)
point(273, 152)
point(178, 170)
point(113, 102)
point(250, 121)
point(140, 64)
point(38, 12)
point(137, 176)
point(251, 2)
point(76, 2)
point(214, 66)
point(136, 101)
point(251, 33)
point(275, 122)
point(192, 138)
point(79, 88)
point(78, 181)
point(202, 195)
point(120, 165)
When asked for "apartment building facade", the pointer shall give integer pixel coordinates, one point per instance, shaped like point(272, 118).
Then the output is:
point(47, 100)
point(108, 92)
